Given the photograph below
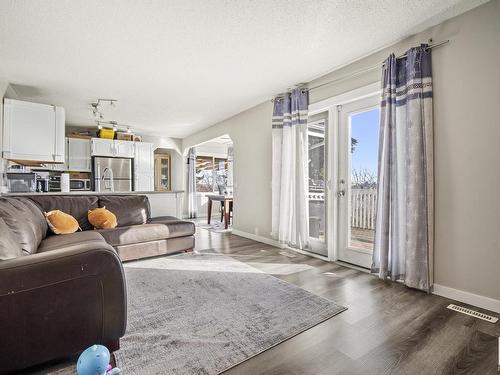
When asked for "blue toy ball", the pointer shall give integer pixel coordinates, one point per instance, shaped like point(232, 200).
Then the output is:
point(93, 361)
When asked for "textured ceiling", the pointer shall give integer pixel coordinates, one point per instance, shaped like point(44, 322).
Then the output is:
point(178, 66)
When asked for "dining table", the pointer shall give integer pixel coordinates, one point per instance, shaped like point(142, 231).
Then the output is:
point(226, 201)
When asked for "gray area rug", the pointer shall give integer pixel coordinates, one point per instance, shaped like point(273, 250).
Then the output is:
point(205, 313)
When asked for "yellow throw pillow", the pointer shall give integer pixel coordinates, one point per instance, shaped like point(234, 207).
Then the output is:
point(101, 218)
point(61, 223)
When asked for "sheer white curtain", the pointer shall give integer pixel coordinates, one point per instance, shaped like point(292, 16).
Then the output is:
point(191, 183)
point(289, 169)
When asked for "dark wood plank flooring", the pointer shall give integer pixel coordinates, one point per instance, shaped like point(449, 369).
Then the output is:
point(388, 328)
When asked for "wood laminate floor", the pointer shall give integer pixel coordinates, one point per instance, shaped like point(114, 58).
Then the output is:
point(388, 328)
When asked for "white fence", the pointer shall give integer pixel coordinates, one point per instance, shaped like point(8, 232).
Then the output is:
point(363, 208)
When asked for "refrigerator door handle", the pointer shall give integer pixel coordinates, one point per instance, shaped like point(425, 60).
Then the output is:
point(98, 176)
point(107, 177)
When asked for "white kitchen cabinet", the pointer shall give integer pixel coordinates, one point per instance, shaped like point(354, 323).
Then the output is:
point(124, 149)
point(112, 148)
point(60, 167)
point(143, 167)
point(79, 159)
point(102, 147)
point(33, 132)
point(144, 158)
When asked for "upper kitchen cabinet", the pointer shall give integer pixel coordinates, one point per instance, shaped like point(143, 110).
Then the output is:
point(102, 147)
point(112, 148)
point(79, 159)
point(143, 167)
point(124, 149)
point(33, 132)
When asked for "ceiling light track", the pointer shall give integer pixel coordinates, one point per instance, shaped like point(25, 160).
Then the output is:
point(96, 107)
point(111, 102)
point(99, 116)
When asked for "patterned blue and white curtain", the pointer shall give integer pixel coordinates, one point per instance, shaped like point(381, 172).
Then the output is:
point(191, 184)
point(289, 169)
point(404, 228)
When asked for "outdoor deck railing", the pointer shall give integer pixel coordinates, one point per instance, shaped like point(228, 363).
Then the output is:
point(363, 206)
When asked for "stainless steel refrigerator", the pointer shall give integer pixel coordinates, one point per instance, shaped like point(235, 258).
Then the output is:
point(112, 174)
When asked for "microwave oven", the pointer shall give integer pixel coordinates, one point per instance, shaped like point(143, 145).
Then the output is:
point(79, 184)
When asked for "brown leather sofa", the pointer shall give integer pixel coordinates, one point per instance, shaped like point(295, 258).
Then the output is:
point(62, 293)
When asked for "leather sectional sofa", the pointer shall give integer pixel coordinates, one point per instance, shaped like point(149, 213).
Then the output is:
point(62, 293)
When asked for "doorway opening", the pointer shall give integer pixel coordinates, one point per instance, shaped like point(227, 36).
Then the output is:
point(213, 174)
point(358, 169)
point(343, 168)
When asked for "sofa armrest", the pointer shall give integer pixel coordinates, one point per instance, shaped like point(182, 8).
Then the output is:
point(56, 303)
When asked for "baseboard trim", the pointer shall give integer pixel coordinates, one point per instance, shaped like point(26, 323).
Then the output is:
point(275, 243)
point(256, 237)
point(467, 297)
point(309, 254)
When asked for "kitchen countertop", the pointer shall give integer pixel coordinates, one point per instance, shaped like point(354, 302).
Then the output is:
point(95, 193)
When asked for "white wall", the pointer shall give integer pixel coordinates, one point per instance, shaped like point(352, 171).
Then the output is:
point(467, 152)
point(251, 135)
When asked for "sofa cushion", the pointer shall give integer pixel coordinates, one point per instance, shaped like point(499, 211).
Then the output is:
point(9, 247)
point(38, 218)
point(129, 209)
point(154, 248)
point(176, 227)
point(135, 234)
point(58, 242)
point(76, 206)
point(19, 219)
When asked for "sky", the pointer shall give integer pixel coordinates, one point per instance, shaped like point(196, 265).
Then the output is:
point(365, 127)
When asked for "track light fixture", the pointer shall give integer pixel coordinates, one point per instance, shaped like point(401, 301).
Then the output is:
point(111, 102)
point(99, 116)
point(96, 107)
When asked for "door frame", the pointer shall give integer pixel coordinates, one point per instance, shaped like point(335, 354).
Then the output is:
point(313, 242)
point(352, 255)
point(330, 105)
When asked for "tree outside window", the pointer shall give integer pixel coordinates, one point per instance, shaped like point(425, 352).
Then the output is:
point(211, 173)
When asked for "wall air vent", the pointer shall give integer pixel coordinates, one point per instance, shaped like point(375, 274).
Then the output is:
point(475, 314)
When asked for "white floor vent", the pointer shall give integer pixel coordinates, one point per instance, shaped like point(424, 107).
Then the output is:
point(475, 314)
